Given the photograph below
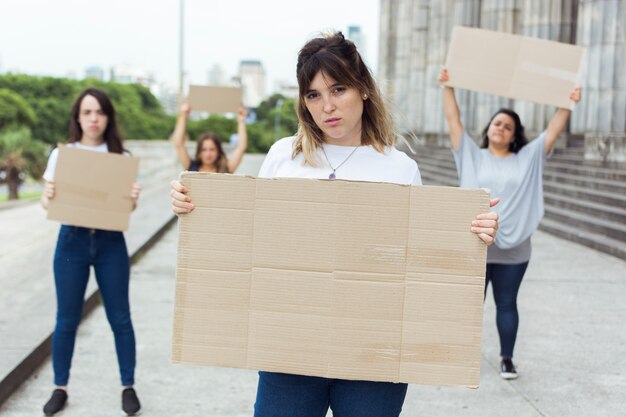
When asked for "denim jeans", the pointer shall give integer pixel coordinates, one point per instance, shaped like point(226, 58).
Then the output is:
point(283, 395)
point(506, 280)
point(77, 249)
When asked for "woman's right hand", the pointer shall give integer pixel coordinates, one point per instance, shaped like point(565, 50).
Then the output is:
point(181, 203)
point(444, 77)
point(48, 190)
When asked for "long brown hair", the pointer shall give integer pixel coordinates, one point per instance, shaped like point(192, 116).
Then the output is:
point(338, 58)
point(112, 136)
point(519, 137)
point(221, 163)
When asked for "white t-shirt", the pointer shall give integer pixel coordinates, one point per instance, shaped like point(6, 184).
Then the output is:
point(48, 175)
point(366, 164)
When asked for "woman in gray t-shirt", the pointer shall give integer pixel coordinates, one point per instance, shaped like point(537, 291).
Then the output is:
point(512, 168)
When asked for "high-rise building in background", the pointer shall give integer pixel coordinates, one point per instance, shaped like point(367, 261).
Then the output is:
point(414, 38)
point(253, 79)
point(95, 72)
point(356, 35)
point(215, 75)
point(127, 74)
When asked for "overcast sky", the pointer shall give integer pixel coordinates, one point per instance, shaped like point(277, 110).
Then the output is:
point(61, 37)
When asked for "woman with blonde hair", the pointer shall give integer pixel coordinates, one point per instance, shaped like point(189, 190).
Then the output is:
point(345, 133)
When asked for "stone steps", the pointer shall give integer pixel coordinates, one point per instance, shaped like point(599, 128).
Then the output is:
point(584, 201)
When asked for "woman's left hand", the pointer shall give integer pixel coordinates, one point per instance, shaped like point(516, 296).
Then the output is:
point(134, 193)
point(575, 94)
point(242, 114)
point(485, 225)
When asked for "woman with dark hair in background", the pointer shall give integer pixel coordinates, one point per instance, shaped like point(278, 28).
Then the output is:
point(92, 127)
point(345, 133)
point(512, 168)
point(210, 156)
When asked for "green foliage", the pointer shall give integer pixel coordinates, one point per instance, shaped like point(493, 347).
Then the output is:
point(14, 110)
point(218, 124)
point(20, 153)
point(262, 133)
point(139, 114)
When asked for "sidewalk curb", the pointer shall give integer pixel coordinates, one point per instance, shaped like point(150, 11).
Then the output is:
point(41, 352)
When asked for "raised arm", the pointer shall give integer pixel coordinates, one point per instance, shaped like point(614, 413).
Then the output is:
point(451, 110)
point(179, 136)
point(559, 121)
point(242, 143)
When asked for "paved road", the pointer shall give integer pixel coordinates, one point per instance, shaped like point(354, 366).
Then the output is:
point(570, 350)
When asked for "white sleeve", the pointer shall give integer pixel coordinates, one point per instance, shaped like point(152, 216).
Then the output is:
point(417, 179)
point(48, 175)
point(268, 168)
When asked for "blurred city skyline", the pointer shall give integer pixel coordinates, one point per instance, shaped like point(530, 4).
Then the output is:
point(67, 38)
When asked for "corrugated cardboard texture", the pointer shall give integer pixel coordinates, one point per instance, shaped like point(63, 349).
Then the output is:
point(513, 66)
point(92, 189)
point(338, 279)
point(214, 99)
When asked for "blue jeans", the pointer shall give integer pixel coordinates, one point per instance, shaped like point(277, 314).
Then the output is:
point(283, 395)
point(77, 249)
point(506, 280)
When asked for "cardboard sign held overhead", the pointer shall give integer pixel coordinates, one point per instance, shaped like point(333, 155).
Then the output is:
point(92, 189)
point(214, 99)
point(514, 66)
point(338, 279)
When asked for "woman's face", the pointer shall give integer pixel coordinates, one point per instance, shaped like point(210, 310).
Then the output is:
point(208, 152)
point(501, 132)
point(336, 109)
point(92, 119)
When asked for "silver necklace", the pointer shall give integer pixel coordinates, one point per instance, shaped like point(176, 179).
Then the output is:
point(332, 175)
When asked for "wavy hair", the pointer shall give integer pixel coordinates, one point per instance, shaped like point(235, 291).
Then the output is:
point(337, 58)
point(519, 137)
point(112, 136)
point(221, 163)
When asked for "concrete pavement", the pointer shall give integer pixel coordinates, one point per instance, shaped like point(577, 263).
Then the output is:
point(569, 353)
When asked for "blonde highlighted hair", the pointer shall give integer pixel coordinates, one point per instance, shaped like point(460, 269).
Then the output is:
point(337, 58)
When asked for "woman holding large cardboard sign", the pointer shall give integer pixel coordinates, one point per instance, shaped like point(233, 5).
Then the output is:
point(512, 168)
point(345, 133)
point(210, 156)
point(92, 127)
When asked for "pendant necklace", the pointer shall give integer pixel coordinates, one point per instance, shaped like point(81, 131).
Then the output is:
point(332, 175)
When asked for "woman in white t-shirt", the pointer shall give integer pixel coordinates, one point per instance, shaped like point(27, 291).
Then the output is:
point(346, 133)
point(512, 168)
point(92, 127)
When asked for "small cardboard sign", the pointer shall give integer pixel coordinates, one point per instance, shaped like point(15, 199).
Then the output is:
point(92, 189)
point(338, 279)
point(214, 99)
point(514, 66)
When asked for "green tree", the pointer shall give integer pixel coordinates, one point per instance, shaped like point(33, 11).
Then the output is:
point(14, 110)
point(20, 154)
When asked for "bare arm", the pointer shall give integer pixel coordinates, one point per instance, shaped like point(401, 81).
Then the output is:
point(242, 144)
point(179, 136)
point(558, 122)
point(451, 111)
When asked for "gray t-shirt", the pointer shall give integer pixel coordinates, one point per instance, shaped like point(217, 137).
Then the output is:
point(517, 181)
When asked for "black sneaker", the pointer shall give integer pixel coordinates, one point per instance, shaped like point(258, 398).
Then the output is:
point(56, 402)
point(507, 369)
point(130, 402)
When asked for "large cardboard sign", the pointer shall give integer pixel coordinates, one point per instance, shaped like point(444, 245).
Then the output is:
point(514, 66)
point(92, 189)
point(214, 99)
point(339, 279)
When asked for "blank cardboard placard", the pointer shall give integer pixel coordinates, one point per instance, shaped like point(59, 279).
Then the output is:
point(92, 189)
point(514, 66)
point(214, 99)
point(338, 279)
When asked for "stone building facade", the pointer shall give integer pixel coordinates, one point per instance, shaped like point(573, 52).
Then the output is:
point(414, 36)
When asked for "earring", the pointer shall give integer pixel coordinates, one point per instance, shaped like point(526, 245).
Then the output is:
point(364, 96)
